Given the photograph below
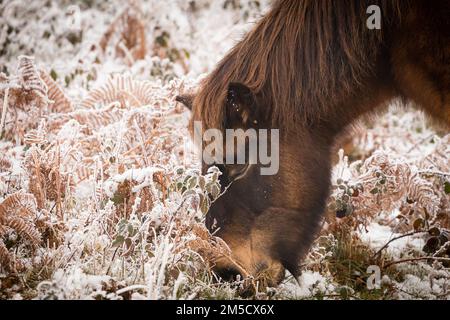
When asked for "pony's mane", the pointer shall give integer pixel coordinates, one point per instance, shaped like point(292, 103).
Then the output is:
point(301, 56)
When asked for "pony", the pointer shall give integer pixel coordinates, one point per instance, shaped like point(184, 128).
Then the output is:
point(311, 68)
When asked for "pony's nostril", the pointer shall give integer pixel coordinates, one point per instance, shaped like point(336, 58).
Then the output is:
point(228, 273)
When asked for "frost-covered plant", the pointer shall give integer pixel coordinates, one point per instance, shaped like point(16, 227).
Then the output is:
point(370, 190)
point(93, 136)
point(24, 97)
point(381, 184)
point(27, 237)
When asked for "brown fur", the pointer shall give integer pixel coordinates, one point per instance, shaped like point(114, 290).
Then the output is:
point(312, 68)
point(299, 58)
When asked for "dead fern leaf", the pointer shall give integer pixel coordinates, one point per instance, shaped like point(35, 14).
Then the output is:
point(122, 89)
point(24, 229)
point(60, 103)
point(52, 231)
point(127, 200)
point(29, 77)
point(5, 165)
point(5, 259)
point(37, 136)
point(15, 202)
point(24, 97)
point(17, 213)
point(47, 182)
point(91, 119)
point(211, 248)
point(29, 91)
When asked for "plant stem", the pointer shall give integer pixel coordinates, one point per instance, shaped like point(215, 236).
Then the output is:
point(5, 107)
point(414, 260)
point(395, 239)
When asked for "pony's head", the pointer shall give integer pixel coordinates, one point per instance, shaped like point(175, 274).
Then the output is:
point(300, 71)
point(260, 214)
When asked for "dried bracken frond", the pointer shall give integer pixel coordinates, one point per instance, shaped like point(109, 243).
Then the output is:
point(17, 213)
point(127, 92)
point(435, 171)
point(127, 35)
point(59, 102)
point(5, 165)
point(29, 77)
point(135, 129)
point(5, 259)
point(52, 230)
point(25, 99)
point(116, 204)
point(422, 195)
point(91, 119)
point(209, 247)
point(10, 174)
point(16, 202)
point(5, 173)
point(24, 228)
point(28, 90)
point(47, 181)
point(382, 184)
point(37, 136)
point(136, 192)
point(4, 81)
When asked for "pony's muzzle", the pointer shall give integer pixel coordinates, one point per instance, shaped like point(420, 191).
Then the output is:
point(228, 269)
point(249, 277)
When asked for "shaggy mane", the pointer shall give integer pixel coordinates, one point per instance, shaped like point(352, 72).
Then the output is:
point(299, 59)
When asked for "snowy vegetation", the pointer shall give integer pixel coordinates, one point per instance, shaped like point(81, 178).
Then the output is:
point(101, 196)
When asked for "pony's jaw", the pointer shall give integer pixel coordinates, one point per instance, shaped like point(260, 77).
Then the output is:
point(251, 246)
point(253, 265)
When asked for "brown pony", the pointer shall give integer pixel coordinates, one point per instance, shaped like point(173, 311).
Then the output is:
point(311, 68)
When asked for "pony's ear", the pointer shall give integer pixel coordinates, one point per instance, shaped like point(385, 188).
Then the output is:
point(241, 106)
point(186, 99)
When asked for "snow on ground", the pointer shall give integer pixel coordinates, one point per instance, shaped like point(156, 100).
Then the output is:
point(309, 284)
point(376, 236)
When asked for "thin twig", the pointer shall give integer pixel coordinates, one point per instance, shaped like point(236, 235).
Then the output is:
point(112, 261)
point(395, 239)
point(4, 109)
point(434, 173)
point(131, 288)
point(421, 141)
point(415, 260)
point(443, 249)
point(58, 184)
